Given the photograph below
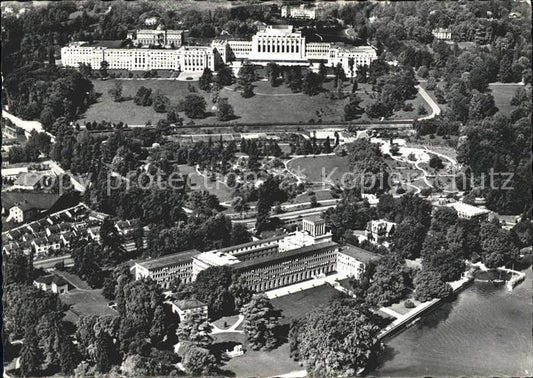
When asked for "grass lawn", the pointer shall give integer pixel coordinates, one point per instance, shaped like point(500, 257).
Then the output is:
point(502, 97)
point(229, 320)
point(297, 305)
point(276, 105)
point(319, 194)
point(198, 182)
point(87, 302)
point(315, 168)
point(255, 363)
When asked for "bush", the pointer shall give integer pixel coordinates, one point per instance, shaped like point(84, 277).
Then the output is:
point(409, 304)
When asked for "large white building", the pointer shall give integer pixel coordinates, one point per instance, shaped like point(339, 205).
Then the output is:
point(301, 12)
point(185, 58)
point(280, 44)
point(284, 45)
point(156, 37)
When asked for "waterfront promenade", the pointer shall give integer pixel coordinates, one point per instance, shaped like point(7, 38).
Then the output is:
point(402, 320)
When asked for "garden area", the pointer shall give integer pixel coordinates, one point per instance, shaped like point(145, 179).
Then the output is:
point(503, 93)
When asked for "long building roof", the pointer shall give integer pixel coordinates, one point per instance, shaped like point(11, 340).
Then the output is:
point(285, 255)
point(168, 260)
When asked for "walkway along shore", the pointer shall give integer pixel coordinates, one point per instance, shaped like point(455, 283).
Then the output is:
point(416, 312)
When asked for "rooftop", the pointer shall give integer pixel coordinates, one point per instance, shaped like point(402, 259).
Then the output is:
point(289, 255)
point(52, 278)
point(252, 243)
point(30, 178)
point(29, 200)
point(467, 209)
point(168, 260)
point(359, 254)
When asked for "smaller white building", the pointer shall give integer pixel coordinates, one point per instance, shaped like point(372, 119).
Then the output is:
point(301, 12)
point(466, 211)
point(188, 307)
point(442, 33)
point(380, 230)
point(53, 283)
point(353, 261)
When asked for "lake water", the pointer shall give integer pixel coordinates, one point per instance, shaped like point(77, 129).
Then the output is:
point(485, 331)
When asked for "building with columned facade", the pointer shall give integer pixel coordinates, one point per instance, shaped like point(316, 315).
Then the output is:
point(279, 44)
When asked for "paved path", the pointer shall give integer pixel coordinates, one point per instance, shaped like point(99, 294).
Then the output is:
point(233, 328)
point(309, 284)
point(435, 109)
point(27, 126)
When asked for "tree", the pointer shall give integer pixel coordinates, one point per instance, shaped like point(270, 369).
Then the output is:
point(194, 106)
point(196, 329)
point(31, 357)
point(205, 80)
point(447, 262)
point(260, 322)
point(322, 71)
point(104, 350)
point(272, 72)
point(246, 74)
point(388, 282)
point(239, 234)
point(339, 339)
point(247, 90)
point(312, 83)
point(225, 75)
point(199, 361)
point(161, 102)
point(429, 285)
point(143, 96)
point(408, 238)
point(104, 65)
point(18, 268)
point(212, 288)
point(435, 162)
point(497, 245)
point(116, 91)
point(224, 110)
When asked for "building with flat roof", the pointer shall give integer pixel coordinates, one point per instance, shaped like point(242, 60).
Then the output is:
point(466, 211)
point(281, 44)
point(188, 307)
point(165, 269)
point(288, 267)
point(353, 261)
point(301, 12)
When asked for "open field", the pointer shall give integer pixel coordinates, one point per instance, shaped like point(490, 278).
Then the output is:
point(198, 182)
point(316, 168)
point(502, 96)
point(297, 305)
point(276, 105)
point(255, 363)
point(87, 302)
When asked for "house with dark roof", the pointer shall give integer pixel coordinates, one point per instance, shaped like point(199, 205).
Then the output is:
point(26, 206)
point(53, 283)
